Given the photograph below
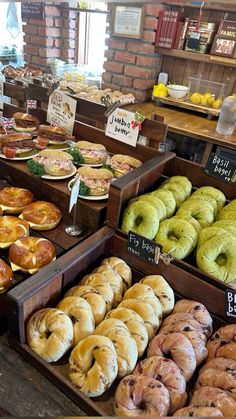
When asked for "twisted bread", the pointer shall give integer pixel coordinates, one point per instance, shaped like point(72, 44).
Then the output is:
point(175, 318)
point(93, 365)
point(120, 266)
point(100, 283)
point(80, 313)
point(198, 411)
point(198, 311)
point(162, 290)
point(220, 379)
point(12, 229)
point(145, 293)
point(214, 397)
point(115, 281)
point(50, 333)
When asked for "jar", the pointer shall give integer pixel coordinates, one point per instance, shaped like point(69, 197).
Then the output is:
point(227, 118)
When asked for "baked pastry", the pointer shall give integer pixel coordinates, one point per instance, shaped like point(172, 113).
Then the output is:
point(214, 397)
point(96, 180)
point(221, 364)
point(13, 200)
point(176, 318)
point(122, 268)
point(93, 297)
point(180, 194)
point(168, 200)
point(138, 395)
point(122, 164)
point(162, 290)
point(50, 333)
point(218, 348)
point(92, 153)
point(166, 371)
point(6, 276)
point(93, 365)
point(178, 347)
point(155, 202)
point(16, 145)
point(219, 379)
point(80, 313)
point(100, 283)
point(214, 193)
point(135, 324)
point(142, 218)
point(41, 215)
point(197, 310)
point(114, 279)
point(206, 198)
point(200, 412)
point(55, 162)
point(183, 181)
point(25, 122)
point(125, 345)
point(12, 229)
point(207, 233)
point(199, 209)
point(146, 294)
point(29, 254)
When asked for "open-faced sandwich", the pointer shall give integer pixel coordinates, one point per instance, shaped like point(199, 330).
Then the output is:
point(94, 182)
point(120, 164)
point(52, 163)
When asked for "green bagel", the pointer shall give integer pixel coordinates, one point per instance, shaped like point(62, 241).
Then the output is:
point(207, 233)
point(157, 203)
point(206, 198)
point(226, 214)
point(199, 209)
point(231, 206)
point(191, 220)
point(168, 200)
point(227, 225)
point(183, 181)
point(142, 218)
point(214, 193)
point(177, 237)
point(218, 258)
point(179, 193)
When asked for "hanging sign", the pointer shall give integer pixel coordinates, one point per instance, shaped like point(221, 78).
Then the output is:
point(1, 93)
point(34, 10)
point(61, 111)
point(120, 126)
point(221, 167)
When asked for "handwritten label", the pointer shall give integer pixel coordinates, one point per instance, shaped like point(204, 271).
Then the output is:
point(221, 168)
point(1, 93)
point(119, 127)
point(230, 303)
point(74, 194)
point(144, 248)
point(33, 10)
point(61, 111)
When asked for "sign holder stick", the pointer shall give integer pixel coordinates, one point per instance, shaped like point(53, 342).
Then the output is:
point(73, 229)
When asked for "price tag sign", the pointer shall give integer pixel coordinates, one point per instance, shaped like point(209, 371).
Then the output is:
point(230, 303)
point(221, 168)
point(120, 127)
point(1, 93)
point(144, 248)
point(31, 104)
point(61, 111)
point(74, 194)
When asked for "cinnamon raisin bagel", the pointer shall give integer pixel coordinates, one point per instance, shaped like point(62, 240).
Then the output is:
point(13, 200)
point(12, 229)
point(41, 215)
point(31, 253)
point(6, 276)
point(120, 266)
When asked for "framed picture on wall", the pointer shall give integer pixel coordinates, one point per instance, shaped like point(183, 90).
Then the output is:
point(127, 21)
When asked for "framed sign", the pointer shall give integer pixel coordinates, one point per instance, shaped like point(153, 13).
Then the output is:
point(128, 21)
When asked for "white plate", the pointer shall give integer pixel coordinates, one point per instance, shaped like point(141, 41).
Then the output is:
point(2, 156)
point(60, 177)
point(88, 165)
point(88, 197)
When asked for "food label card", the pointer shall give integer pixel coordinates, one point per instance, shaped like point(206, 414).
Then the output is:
point(221, 168)
point(74, 194)
point(144, 248)
point(120, 126)
point(61, 111)
point(230, 303)
point(1, 93)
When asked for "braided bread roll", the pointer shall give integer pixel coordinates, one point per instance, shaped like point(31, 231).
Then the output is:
point(125, 345)
point(93, 297)
point(50, 333)
point(221, 364)
point(214, 397)
point(162, 290)
point(100, 283)
point(220, 379)
point(135, 324)
point(198, 311)
point(120, 266)
point(93, 365)
point(115, 281)
point(221, 348)
point(174, 319)
point(201, 412)
point(80, 313)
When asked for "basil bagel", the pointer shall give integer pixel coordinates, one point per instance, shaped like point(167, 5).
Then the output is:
point(205, 198)
point(207, 233)
point(179, 193)
point(168, 200)
point(217, 257)
point(142, 218)
point(227, 225)
point(183, 181)
point(156, 202)
point(213, 193)
point(177, 237)
point(199, 209)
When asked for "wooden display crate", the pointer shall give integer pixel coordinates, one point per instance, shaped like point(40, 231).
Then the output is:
point(123, 190)
point(185, 104)
point(45, 290)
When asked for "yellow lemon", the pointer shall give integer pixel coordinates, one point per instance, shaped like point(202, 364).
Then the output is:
point(210, 100)
point(217, 103)
point(204, 101)
point(208, 95)
point(196, 98)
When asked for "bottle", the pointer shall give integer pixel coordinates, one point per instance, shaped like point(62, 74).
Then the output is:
point(163, 78)
point(227, 118)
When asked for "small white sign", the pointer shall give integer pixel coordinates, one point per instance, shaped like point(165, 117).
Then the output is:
point(1, 93)
point(31, 104)
point(120, 127)
point(74, 194)
point(61, 111)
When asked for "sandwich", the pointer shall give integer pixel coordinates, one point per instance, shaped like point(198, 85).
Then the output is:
point(17, 145)
point(2, 131)
point(25, 122)
point(55, 137)
point(94, 182)
point(92, 153)
point(51, 162)
point(121, 164)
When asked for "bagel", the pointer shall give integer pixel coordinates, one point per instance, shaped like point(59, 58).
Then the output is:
point(122, 268)
point(178, 192)
point(199, 412)
point(199, 209)
point(92, 153)
point(209, 232)
point(146, 294)
point(93, 365)
point(124, 343)
point(224, 348)
point(6, 276)
point(98, 181)
point(177, 237)
point(228, 212)
point(155, 202)
point(227, 225)
point(29, 254)
point(41, 215)
point(214, 397)
point(219, 379)
point(12, 229)
point(55, 162)
point(225, 332)
point(114, 279)
point(166, 371)
point(218, 257)
point(205, 198)
point(162, 290)
point(13, 200)
point(183, 181)
point(135, 324)
point(141, 217)
point(197, 310)
point(213, 193)
point(220, 364)
point(100, 283)
point(178, 347)
point(122, 164)
point(50, 333)
point(80, 313)
point(138, 395)
point(190, 220)
point(168, 200)
point(175, 318)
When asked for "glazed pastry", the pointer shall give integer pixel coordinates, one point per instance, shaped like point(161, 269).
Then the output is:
point(175, 318)
point(214, 397)
point(162, 290)
point(221, 364)
point(198, 311)
point(198, 411)
point(221, 348)
point(220, 379)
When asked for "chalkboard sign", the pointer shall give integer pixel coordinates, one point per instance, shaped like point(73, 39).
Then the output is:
point(230, 303)
point(144, 248)
point(221, 167)
point(32, 10)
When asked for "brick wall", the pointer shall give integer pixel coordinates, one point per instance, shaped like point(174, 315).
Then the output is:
point(51, 38)
point(133, 65)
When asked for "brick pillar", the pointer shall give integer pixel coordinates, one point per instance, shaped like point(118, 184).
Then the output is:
point(52, 37)
point(133, 65)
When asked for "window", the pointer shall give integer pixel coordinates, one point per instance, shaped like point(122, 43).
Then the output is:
point(11, 40)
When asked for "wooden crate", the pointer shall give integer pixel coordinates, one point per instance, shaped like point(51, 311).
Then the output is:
point(47, 289)
point(122, 191)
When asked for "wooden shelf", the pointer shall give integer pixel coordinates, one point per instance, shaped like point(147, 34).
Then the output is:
point(195, 56)
point(213, 6)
